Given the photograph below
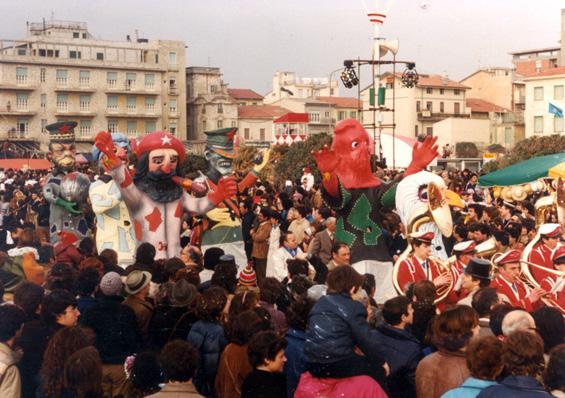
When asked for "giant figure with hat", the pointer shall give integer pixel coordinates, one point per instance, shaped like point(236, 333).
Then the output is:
point(357, 195)
point(223, 223)
point(153, 196)
point(114, 227)
point(65, 214)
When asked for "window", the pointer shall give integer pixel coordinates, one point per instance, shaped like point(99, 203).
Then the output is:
point(341, 115)
point(112, 126)
point(149, 104)
point(203, 109)
point(234, 123)
point(172, 58)
point(204, 125)
point(415, 130)
point(173, 128)
point(21, 101)
point(220, 124)
point(418, 106)
point(22, 51)
point(150, 126)
point(43, 124)
point(100, 56)
point(130, 81)
point(76, 35)
point(149, 80)
point(538, 93)
point(173, 82)
point(261, 134)
point(326, 114)
point(43, 101)
point(353, 115)
point(557, 124)
point(42, 75)
point(220, 108)
point(84, 78)
point(85, 103)
point(558, 92)
point(314, 116)
point(21, 75)
point(441, 107)
point(62, 102)
point(131, 104)
point(456, 107)
point(508, 136)
point(74, 54)
point(112, 105)
point(112, 79)
point(429, 90)
point(132, 127)
point(23, 127)
point(538, 124)
point(173, 106)
point(429, 106)
point(429, 131)
point(246, 133)
point(85, 128)
point(442, 91)
point(213, 89)
point(456, 92)
point(62, 77)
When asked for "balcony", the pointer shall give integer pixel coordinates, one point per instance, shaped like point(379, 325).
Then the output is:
point(74, 112)
point(128, 115)
point(15, 134)
point(323, 120)
point(74, 89)
point(129, 89)
point(10, 111)
point(17, 87)
point(520, 99)
point(427, 116)
point(173, 91)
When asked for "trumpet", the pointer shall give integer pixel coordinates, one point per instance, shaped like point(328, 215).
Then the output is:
point(527, 277)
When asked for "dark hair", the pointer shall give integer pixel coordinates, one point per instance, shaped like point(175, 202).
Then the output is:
point(28, 296)
point(483, 300)
point(180, 360)
point(296, 266)
point(550, 326)
point(211, 303)
point(54, 305)
point(497, 314)
point(523, 354)
point(514, 230)
point(146, 373)
point(61, 276)
point(12, 318)
point(245, 325)
point(369, 284)
point(484, 358)
point(145, 253)
point(452, 329)
point(478, 209)
point(87, 246)
point(336, 246)
point(225, 276)
point(264, 346)
point(270, 290)
point(60, 347)
point(302, 210)
point(299, 286)
point(109, 257)
point(212, 257)
point(462, 231)
point(172, 266)
point(243, 301)
point(424, 291)
point(502, 237)
point(554, 374)
point(325, 212)
point(394, 308)
point(297, 313)
point(83, 373)
point(530, 225)
point(284, 237)
point(87, 281)
point(343, 279)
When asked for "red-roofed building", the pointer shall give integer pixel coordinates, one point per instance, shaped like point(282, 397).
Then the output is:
point(290, 128)
point(245, 96)
point(256, 125)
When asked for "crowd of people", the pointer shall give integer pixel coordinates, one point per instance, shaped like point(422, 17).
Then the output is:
point(296, 320)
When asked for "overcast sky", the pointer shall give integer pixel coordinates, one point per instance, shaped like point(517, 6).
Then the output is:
point(251, 39)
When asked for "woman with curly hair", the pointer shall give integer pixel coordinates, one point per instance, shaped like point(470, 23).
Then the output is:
point(83, 374)
point(554, 373)
point(62, 345)
point(422, 294)
point(451, 333)
point(523, 363)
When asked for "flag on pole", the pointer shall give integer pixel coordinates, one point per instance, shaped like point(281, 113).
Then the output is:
point(554, 109)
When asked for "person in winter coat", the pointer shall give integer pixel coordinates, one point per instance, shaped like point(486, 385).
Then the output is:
point(208, 336)
point(66, 250)
point(401, 350)
point(337, 326)
point(523, 361)
point(484, 360)
point(11, 321)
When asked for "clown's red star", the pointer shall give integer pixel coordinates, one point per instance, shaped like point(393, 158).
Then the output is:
point(154, 219)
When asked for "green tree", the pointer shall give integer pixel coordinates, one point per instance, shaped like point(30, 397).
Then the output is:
point(192, 164)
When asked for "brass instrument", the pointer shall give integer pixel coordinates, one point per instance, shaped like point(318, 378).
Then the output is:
point(439, 213)
point(487, 249)
point(545, 208)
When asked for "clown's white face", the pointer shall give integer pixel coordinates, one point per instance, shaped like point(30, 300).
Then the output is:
point(163, 160)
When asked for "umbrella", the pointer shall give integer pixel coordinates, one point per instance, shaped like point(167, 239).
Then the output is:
point(523, 172)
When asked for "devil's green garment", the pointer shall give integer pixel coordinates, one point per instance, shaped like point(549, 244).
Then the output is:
point(359, 220)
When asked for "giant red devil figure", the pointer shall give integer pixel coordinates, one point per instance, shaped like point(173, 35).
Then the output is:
point(356, 194)
point(154, 200)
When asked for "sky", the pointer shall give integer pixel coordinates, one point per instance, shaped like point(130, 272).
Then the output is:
point(252, 39)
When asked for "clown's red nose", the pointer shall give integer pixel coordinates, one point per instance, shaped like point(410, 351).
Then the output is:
point(166, 169)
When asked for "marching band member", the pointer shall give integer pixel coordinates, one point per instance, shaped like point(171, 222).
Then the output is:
point(556, 284)
point(419, 266)
point(542, 252)
point(464, 252)
point(508, 282)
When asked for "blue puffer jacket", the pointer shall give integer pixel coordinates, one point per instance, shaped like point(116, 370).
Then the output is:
point(516, 387)
point(336, 325)
point(210, 340)
point(295, 362)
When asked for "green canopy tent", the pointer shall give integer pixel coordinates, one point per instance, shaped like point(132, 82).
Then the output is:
point(523, 172)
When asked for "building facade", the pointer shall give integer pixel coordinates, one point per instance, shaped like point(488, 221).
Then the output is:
point(209, 106)
point(61, 72)
point(288, 85)
point(256, 125)
point(245, 96)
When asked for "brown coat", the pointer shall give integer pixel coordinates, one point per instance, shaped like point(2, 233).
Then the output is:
point(440, 372)
point(321, 246)
point(143, 312)
point(260, 238)
point(233, 368)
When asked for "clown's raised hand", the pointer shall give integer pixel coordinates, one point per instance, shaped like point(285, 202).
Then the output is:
point(258, 167)
point(104, 143)
point(326, 160)
point(422, 155)
point(226, 188)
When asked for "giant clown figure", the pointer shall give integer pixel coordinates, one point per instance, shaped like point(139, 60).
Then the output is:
point(356, 194)
point(155, 201)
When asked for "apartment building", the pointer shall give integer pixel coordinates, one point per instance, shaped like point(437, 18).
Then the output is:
point(245, 96)
point(209, 105)
point(543, 89)
point(289, 85)
point(61, 72)
point(256, 125)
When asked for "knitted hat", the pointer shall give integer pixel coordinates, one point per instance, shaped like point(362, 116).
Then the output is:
point(160, 140)
point(136, 281)
point(111, 284)
point(247, 277)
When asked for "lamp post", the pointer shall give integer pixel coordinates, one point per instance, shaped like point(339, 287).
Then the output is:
point(330, 124)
